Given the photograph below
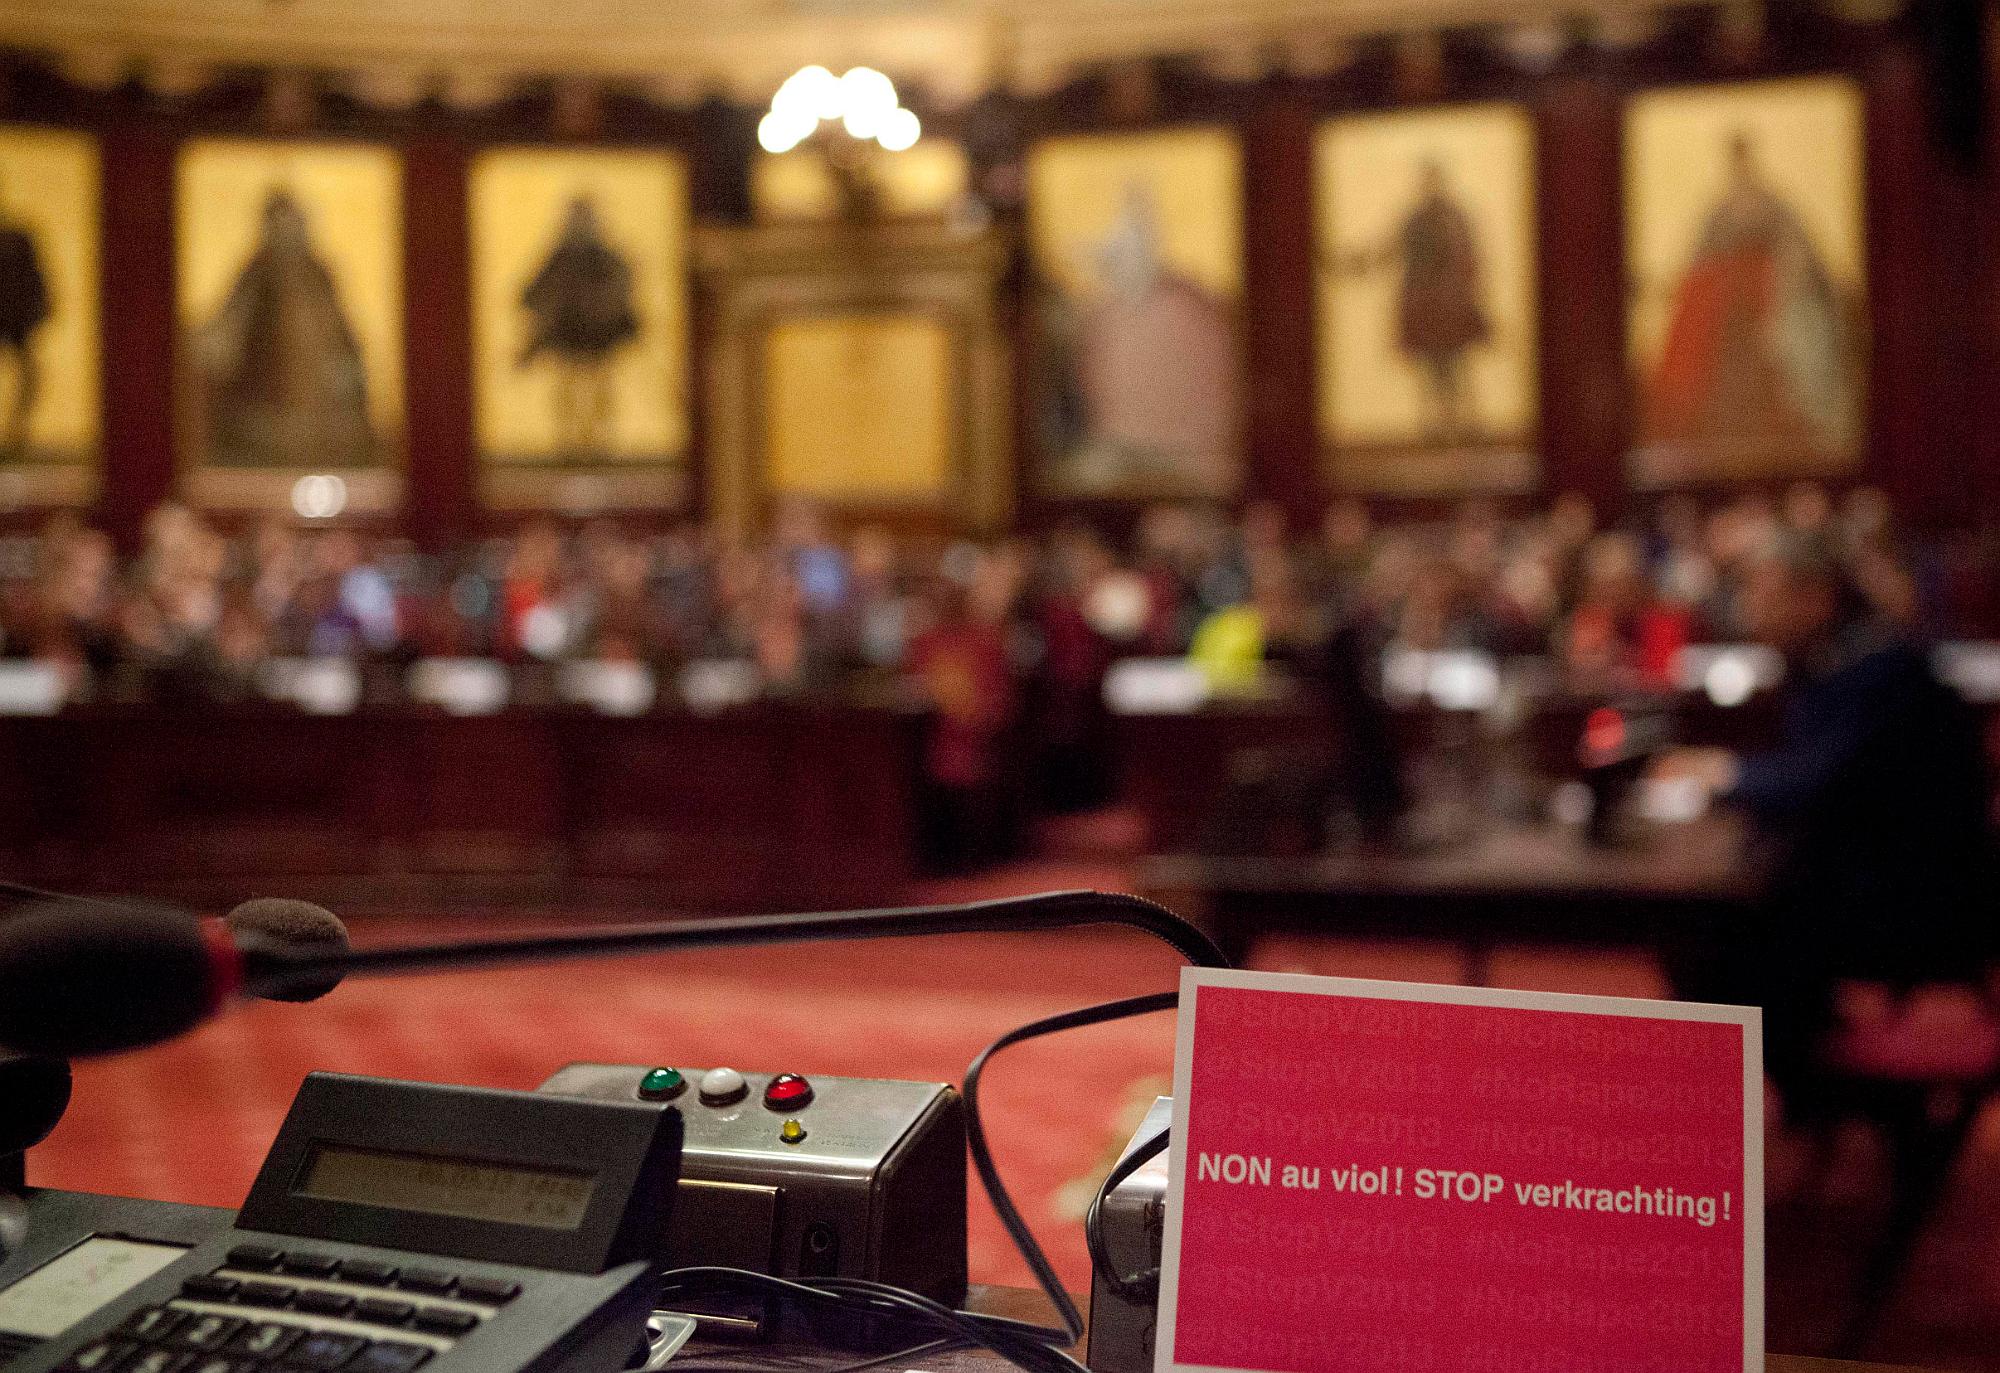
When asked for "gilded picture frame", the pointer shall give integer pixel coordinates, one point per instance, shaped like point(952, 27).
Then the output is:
point(579, 276)
point(1426, 309)
point(1746, 259)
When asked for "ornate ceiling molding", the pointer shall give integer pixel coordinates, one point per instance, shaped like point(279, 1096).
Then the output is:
point(473, 52)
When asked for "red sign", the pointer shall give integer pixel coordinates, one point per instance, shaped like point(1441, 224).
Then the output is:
point(1372, 1175)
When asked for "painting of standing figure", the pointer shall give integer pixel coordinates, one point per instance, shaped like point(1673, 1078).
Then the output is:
point(1426, 284)
point(1748, 299)
point(291, 308)
point(281, 368)
point(1136, 243)
point(48, 316)
point(579, 271)
point(580, 305)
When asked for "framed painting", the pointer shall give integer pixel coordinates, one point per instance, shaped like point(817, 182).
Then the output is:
point(865, 373)
point(1425, 287)
point(49, 324)
point(860, 407)
point(579, 328)
point(1136, 242)
point(1746, 260)
point(290, 300)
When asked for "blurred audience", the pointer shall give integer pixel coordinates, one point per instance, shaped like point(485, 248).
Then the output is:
point(193, 613)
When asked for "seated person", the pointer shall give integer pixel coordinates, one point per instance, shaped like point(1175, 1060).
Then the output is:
point(1872, 807)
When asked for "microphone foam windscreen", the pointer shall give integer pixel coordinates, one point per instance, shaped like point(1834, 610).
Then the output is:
point(34, 1093)
point(77, 979)
point(298, 924)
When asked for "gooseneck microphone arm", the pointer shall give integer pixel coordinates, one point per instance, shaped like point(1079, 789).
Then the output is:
point(274, 969)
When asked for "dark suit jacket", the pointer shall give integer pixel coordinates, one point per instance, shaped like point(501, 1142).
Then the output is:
point(1877, 803)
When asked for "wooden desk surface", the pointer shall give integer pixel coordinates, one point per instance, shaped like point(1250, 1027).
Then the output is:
point(1699, 859)
point(1509, 883)
point(1024, 1304)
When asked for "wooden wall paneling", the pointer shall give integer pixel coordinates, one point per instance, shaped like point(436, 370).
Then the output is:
point(1586, 382)
point(1281, 434)
point(1986, 312)
point(442, 481)
point(1904, 337)
point(139, 325)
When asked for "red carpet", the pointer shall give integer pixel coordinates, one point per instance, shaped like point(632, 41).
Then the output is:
point(190, 1121)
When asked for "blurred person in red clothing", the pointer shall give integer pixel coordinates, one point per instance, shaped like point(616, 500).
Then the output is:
point(1621, 634)
point(530, 588)
point(958, 664)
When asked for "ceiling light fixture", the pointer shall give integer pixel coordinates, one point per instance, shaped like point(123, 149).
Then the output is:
point(861, 100)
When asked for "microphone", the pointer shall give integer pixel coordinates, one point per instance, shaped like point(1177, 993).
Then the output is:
point(81, 977)
point(126, 977)
point(286, 923)
point(34, 1093)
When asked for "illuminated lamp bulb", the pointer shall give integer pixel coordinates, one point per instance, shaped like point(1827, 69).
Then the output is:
point(780, 131)
point(319, 497)
point(867, 93)
point(863, 124)
point(900, 130)
point(812, 92)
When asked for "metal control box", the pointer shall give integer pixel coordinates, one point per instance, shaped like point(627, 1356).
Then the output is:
point(1133, 1224)
point(835, 1177)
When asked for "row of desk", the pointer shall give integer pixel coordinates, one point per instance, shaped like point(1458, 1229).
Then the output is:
point(771, 805)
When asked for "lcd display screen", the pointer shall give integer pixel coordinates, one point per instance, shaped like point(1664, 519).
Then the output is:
point(547, 1198)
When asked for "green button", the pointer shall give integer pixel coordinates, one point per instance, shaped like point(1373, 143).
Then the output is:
point(662, 1084)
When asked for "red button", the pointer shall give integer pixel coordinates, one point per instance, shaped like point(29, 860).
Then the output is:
point(788, 1092)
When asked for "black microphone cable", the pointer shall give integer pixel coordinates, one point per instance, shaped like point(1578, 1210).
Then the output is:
point(1036, 1348)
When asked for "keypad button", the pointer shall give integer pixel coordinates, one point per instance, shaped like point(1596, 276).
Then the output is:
point(428, 1280)
point(492, 1291)
point(310, 1265)
point(100, 1356)
point(324, 1303)
point(324, 1350)
point(209, 1332)
point(208, 1287)
point(160, 1361)
point(266, 1339)
point(261, 1258)
point(368, 1273)
point(266, 1293)
point(218, 1364)
point(384, 1310)
point(387, 1357)
point(154, 1322)
point(445, 1320)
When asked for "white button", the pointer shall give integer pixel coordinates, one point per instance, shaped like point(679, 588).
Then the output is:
point(720, 1086)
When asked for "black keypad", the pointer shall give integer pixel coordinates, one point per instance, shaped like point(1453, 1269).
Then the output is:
point(266, 1293)
point(492, 1291)
point(100, 1356)
point(260, 1258)
point(387, 1357)
point(210, 1332)
point(445, 1320)
point(322, 1350)
point(154, 1322)
point(324, 1303)
point(427, 1280)
point(266, 1339)
point(384, 1310)
point(208, 1287)
point(310, 1265)
point(368, 1273)
point(159, 1361)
